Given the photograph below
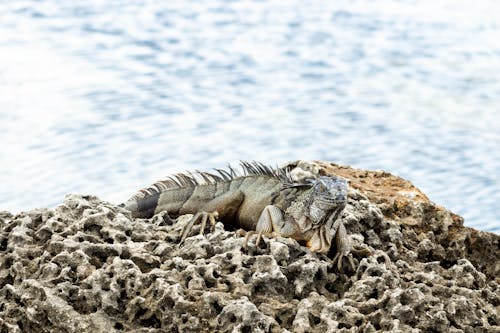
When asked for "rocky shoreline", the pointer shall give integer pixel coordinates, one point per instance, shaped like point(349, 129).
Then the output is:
point(86, 266)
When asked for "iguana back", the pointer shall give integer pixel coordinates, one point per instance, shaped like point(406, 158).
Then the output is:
point(188, 193)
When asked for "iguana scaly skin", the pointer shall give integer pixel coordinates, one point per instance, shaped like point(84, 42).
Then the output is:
point(263, 200)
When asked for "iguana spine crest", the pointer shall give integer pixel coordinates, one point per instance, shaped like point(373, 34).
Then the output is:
point(193, 179)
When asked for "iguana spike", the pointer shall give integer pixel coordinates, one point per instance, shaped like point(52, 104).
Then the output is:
point(226, 176)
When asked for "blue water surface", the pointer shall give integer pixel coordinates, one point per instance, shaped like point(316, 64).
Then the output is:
point(104, 97)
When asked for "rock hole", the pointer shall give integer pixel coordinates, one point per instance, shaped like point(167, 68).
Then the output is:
point(231, 318)
point(81, 307)
point(120, 238)
point(9, 227)
point(7, 280)
point(381, 260)
point(93, 229)
point(123, 295)
point(141, 312)
point(121, 283)
point(374, 294)
point(95, 261)
point(246, 277)
point(344, 325)
point(246, 329)
point(125, 254)
point(232, 269)
point(169, 302)
point(447, 263)
point(249, 262)
point(315, 320)
point(151, 322)
point(118, 326)
point(42, 235)
point(189, 278)
point(258, 289)
point(374, 271)
point(100, 254)
point(216, 306)
point(331, 287)
point(209, 284)
point(145, 266)
point(229, 285)
point(86, 286)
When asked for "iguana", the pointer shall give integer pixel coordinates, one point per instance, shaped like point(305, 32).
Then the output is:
point(262, 200)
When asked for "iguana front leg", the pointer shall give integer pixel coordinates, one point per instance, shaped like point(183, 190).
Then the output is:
point(271, 223)
point(221, 207)
point(343, 244)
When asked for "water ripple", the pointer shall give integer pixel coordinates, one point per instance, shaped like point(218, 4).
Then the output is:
point(109, 96)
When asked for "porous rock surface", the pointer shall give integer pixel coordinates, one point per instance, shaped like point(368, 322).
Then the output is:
point(86, 266)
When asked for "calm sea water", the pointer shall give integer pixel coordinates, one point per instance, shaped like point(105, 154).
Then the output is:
point(104, 97)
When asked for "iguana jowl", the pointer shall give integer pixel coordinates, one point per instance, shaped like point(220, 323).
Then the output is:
point(263, 200)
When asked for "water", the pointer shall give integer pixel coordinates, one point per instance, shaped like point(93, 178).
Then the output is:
point(105, 97)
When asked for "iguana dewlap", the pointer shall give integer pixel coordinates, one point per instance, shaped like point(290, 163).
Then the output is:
point(263, 199)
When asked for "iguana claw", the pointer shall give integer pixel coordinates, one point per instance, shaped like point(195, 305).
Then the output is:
point(204, 217)
point(343, 245)
point(338, 260)
point(250, 234)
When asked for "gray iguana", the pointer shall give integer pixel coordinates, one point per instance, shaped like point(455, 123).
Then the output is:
point(262, 200)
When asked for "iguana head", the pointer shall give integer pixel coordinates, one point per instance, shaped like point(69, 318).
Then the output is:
point(328, 197)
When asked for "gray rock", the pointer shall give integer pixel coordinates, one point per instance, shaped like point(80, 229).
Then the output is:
point(86, 266)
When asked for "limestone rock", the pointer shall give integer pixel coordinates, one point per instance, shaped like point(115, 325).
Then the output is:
point(86, 266)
